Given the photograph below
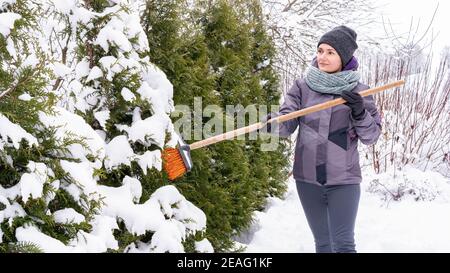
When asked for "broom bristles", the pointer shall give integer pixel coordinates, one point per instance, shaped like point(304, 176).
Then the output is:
point(173, 163)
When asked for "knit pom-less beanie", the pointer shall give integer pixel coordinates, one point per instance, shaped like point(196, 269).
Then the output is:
point(343, 40)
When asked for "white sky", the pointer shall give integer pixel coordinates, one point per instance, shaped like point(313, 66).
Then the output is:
point(400, 13)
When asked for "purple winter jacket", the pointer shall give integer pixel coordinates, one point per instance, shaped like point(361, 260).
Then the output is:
point(326, 151)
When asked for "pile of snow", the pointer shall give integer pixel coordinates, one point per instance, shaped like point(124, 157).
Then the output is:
point(11, 132)
point(409, 224)
point(7, 20)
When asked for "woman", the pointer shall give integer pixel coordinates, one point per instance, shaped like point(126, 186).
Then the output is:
point(326, 165)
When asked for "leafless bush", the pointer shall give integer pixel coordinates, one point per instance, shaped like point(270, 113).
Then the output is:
point(410, 183)
point(402, 189)
point(416, 117)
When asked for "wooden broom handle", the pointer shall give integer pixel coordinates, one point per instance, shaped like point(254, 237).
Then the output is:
point(292, 115)
point(332, 103)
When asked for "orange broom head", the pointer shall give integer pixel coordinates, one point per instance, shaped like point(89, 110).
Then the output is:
point(176, 162)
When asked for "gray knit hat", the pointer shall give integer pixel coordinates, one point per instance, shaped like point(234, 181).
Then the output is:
point(343, 39)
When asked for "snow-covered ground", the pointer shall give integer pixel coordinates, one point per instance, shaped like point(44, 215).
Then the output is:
point(381, 226)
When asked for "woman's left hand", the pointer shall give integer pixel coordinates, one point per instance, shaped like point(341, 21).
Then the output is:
point(355, 102)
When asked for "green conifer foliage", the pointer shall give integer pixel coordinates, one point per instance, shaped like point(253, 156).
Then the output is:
point(119, 75)
point(31, 176)
point(220, 53)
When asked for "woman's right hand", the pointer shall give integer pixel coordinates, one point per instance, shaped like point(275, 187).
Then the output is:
point(267, 128)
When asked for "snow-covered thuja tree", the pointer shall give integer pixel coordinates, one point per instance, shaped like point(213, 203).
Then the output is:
point(125, 100)
point(34, 207)
point(223, 55)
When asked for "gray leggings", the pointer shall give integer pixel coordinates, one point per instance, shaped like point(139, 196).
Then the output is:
point(331, 214)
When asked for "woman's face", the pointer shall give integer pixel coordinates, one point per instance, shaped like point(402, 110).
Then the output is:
point(328, 59)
